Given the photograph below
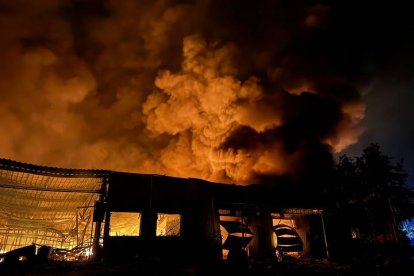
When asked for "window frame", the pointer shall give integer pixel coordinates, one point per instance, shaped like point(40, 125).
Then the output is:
point(180, 225)
point(139, 223)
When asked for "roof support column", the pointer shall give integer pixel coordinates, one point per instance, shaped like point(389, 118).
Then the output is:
point(324, 236)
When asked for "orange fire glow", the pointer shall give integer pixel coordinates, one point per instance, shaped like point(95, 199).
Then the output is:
point(148, 90)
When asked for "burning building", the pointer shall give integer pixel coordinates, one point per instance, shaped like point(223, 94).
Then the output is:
point(119, 216)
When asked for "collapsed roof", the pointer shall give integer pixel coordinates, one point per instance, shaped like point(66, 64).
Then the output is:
point(44, 205)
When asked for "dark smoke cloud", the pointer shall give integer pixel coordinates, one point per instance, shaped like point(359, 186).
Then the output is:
point(231, 91)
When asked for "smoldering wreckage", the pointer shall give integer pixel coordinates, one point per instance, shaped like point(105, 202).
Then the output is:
point(53, 214)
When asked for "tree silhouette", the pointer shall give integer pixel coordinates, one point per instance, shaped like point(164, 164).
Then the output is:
point(372, 195)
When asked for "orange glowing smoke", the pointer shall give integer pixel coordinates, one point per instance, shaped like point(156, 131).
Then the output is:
point(144, 86)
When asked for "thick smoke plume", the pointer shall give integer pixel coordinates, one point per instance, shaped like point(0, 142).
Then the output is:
point(228, 91)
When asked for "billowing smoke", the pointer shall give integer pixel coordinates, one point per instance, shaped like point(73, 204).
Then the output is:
point(228, 91)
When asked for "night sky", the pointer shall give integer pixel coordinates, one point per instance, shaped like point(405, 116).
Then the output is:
point(385, 32)
point(229, 91)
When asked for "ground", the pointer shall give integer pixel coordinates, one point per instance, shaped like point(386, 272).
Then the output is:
point(304, 267)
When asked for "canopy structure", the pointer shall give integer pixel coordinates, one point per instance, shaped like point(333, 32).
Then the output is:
point(46, 206)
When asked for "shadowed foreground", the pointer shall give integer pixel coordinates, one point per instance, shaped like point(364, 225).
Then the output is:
point(152, 267)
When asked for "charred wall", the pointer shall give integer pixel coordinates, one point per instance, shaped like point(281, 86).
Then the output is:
point(198, 203)
point(151, 195)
